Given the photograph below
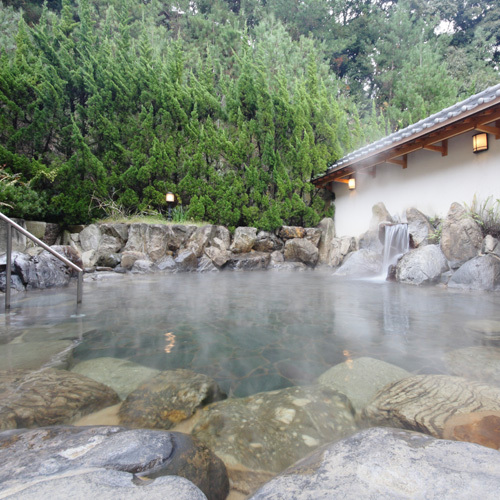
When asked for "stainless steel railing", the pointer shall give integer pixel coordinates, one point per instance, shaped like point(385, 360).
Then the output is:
point(12, 225)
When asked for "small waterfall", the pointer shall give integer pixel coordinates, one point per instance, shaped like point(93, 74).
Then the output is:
point(396, 243)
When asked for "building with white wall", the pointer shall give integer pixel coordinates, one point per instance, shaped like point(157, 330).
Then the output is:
point(428, 165)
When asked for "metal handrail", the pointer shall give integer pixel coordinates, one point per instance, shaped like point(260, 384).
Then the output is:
point(11, 224)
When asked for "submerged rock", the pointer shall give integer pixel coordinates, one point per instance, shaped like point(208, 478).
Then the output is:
point(425, 402)
point(121, 375)
point(49, 397)
point(390, 464)
point(487, 330)
point(475, 363)
point(271, 430)
point(169, 398)
point(32, 355)
point(360, 379)
point(30, 455)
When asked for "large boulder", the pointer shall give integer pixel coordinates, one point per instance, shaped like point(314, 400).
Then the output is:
point(49, 397)
point(419, 227)
point(267, 242)
point(361, 378)
point(479, 273)
point(169, 398)
point(252, 261)
point(301, 250)
point(475, 363)
point(200, 239)
point(128, 258)
point(340, 248)
point(391, 464)
point(271, 430)
point(186, 260)
point(461, 236)
point(481, 427)
point(90, 238)
point(121, 375)
point(423, 265)
point(244, 239)
point(40, 454)
point(290, 232)
point(425, 402)
point(178, 235)
point(327, 228)
point(218, 256)
point(104, 483)
point(361, 263)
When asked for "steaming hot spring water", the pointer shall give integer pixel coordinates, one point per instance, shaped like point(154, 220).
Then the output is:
point(251, 331)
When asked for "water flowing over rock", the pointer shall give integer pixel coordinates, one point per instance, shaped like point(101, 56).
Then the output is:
point(271, 430)
point(327, 228)
point(360, 379)
point(423, 265)
point(49, 397)
point(360, 263)
point(475, 363)
point(244, 239)
point(479, 273)
point(301, 250)
point(169, 398)
point(419, 227)
point(251, 261)
point(30, 455)
point(391, 464)
point(121, 375)
point(461, 236)
point(425, 402)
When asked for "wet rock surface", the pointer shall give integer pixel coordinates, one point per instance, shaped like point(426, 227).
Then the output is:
point(32, 355)
point(49, 397)
point(271, 430)
point(360, 379)
point(121, 375)
point(425, 402)
point(363, 262)
point(479, 273)
point(169, 398)
point(43, 453)
point(390, 464)
point(482, 427)
point(424, 265)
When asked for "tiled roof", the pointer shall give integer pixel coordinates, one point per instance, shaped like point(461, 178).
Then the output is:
point(452, 113)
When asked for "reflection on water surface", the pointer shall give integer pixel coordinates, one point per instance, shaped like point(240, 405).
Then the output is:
point(254, 331)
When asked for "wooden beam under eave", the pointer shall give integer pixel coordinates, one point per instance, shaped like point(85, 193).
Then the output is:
point(443, 149)
point(489, 130)
point(403, 162)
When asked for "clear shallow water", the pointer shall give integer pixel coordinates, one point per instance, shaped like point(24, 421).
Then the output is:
point(253, 331)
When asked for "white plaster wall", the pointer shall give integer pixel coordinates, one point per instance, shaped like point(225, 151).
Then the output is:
point(431, 183)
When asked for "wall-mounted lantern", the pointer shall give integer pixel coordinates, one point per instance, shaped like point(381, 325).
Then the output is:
point(480, 142)
point(170, 198)
point(352, 183)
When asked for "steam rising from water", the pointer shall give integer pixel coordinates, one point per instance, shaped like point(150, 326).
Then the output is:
point(256, 331)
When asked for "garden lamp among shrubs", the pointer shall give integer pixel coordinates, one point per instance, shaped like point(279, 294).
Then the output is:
point(170, 197)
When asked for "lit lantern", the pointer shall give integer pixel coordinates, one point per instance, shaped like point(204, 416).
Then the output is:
point(170, 198)
point(352, 183)
point(480, 142)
